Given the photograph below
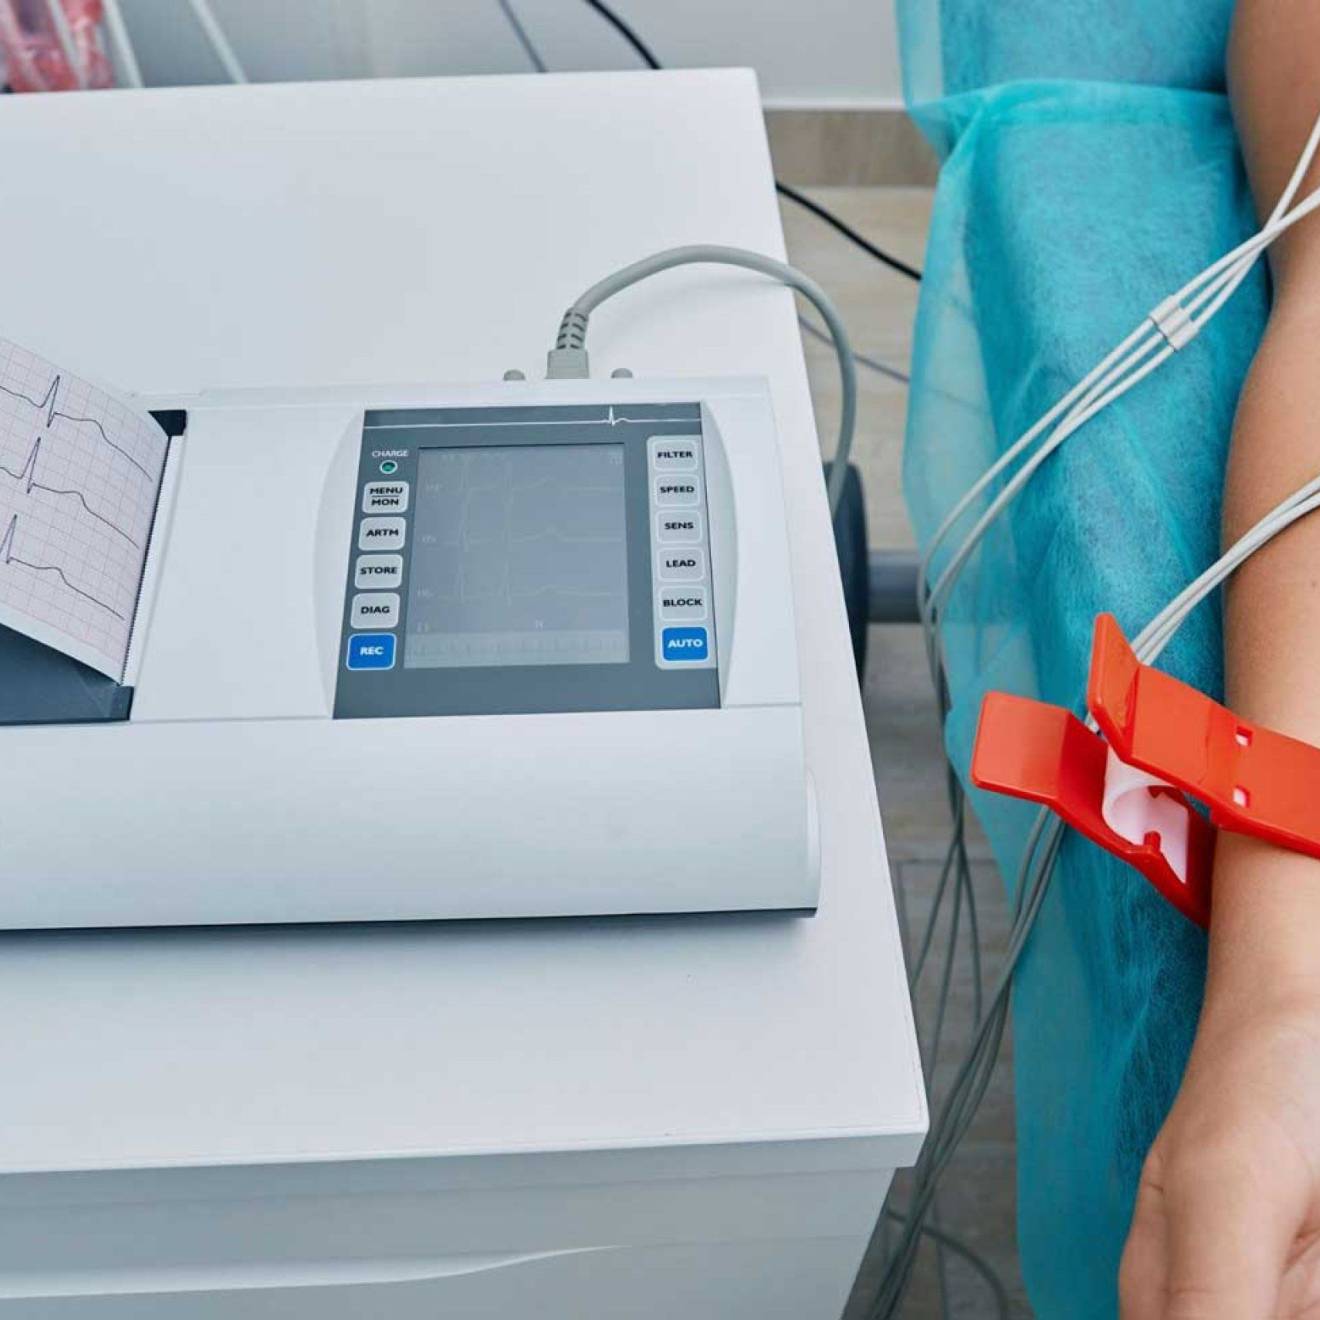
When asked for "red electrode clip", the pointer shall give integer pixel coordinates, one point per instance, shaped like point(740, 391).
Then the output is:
point(1126, 787)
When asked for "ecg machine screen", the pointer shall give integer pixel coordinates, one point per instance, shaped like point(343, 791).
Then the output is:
point(519, 557)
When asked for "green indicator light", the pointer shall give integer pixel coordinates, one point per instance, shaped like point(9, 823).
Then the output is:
point(389, 467)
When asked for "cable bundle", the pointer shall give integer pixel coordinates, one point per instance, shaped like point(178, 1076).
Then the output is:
point(1169, 327)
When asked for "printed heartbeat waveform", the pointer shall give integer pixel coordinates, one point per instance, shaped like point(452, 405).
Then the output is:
point(27, 476)
point(7, 556)
point(47, 405)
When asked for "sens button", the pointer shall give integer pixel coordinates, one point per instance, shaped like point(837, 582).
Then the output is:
point(371, 651)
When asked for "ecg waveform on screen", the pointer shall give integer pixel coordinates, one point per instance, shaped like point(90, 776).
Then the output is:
point(79, 476)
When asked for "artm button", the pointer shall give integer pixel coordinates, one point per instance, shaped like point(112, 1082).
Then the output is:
point(683, 644)
point(382, 533)
point(371, 651)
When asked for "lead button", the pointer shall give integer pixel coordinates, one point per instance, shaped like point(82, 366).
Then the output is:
point(682, 565)
point(375, 609)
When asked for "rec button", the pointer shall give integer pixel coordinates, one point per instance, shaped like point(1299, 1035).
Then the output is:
point(371, 651)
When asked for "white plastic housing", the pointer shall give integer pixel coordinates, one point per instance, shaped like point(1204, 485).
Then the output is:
point(232, 795)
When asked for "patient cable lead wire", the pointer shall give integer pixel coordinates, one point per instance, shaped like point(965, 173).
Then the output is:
point(568, 358)
point(1169, 327)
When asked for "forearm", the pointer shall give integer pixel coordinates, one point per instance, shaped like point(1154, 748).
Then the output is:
point(1265, 932)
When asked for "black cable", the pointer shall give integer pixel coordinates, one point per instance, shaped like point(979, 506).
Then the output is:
point(816, 209)
point(644, 52)
point(648, 57)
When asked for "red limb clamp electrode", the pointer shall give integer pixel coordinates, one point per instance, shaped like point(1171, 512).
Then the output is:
point(1126, 787)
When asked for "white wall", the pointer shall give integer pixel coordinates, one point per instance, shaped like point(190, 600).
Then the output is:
point(807, 52)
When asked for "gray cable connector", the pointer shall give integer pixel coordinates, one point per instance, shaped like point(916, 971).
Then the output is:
point(567, 364)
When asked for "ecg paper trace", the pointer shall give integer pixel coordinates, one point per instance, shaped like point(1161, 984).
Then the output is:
point(80, 472)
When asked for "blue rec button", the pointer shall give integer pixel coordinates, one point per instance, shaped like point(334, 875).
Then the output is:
point(683, 644)
point(371, 651)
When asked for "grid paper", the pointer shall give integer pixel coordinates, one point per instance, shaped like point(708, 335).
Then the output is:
point(80, 471)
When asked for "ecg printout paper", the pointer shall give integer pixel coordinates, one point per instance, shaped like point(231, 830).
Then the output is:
point(80, 472)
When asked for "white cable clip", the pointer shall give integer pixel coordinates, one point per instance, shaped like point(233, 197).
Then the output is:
point(1132, 810)
point(1174, 322)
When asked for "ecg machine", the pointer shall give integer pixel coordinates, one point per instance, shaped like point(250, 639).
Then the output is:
point(396, 654)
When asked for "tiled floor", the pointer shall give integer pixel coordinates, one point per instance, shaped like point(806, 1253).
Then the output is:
point(977, 1202)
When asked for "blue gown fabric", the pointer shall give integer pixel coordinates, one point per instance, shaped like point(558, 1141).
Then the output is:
point(1089, 169)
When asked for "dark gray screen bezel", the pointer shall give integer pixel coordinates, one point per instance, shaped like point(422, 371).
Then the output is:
point(638, 684)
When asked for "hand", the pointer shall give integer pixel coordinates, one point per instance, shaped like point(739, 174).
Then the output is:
point(1227, 1220)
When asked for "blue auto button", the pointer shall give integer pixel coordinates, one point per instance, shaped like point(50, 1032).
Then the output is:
point(684, 644)
point(371, 651)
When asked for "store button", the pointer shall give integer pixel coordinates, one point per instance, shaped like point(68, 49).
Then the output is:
point(378, 571)
point(371, 651)
point(683, 644)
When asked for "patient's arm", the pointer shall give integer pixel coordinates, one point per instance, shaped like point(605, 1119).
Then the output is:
point(1228, 1216)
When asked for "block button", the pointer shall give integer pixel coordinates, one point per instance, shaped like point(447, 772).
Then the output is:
point(378, 571)
point(385, 497)
point(371, 651)
point(375, 609)
point(683, 644)
point(382, 533)
point(683, 604)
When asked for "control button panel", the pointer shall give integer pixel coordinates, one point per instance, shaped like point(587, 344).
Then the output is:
point(680, 557)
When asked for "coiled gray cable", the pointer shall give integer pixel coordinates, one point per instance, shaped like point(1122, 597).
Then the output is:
point(569, 355)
